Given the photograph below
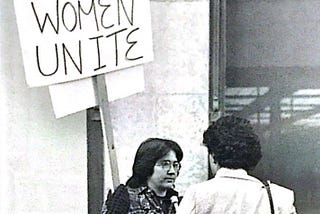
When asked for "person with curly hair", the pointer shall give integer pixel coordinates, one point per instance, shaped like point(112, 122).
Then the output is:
point(235, 150)
point(150, 189)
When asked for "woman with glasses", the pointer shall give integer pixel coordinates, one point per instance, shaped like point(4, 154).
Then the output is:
point(150, 189)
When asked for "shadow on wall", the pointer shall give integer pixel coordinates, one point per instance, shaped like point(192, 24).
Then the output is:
point(284, 105)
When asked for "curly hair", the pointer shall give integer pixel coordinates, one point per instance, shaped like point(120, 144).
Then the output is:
point(233, 143)
point(148, 153)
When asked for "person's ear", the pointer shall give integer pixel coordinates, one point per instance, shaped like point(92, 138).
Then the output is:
point(213, 166)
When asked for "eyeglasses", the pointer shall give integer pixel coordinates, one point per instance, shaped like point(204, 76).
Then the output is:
point(166, 165)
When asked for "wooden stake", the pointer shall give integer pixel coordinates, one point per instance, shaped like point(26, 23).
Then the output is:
point(101, 92)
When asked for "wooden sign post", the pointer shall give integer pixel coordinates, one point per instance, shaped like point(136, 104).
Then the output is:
point(101, 91)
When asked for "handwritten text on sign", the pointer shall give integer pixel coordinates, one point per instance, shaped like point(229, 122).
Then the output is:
point(68, 40)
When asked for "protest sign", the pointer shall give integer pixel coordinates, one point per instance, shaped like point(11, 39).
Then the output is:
point(69, 40)
point(74, 96)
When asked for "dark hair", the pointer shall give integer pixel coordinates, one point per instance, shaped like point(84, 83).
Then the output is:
point(148, 153)
point(233, 143)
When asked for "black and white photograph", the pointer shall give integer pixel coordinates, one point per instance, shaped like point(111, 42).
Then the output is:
point(160, 106)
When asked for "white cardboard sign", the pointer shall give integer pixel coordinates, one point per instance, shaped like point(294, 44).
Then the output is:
point(65, 40)
point(74, 96)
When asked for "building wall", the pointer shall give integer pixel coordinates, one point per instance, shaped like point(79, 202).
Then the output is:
point(44, 159)
point(175, 102)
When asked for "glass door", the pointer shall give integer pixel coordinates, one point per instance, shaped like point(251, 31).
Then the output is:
point(272, 77)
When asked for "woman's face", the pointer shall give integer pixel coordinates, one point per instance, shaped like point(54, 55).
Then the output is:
point(165, 173)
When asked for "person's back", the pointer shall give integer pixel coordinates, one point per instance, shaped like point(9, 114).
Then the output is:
point(235, 149)
point(233, 191)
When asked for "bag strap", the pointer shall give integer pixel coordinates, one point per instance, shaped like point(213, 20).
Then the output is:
point(267, 186)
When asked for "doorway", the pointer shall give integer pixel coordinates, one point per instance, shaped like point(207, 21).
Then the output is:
point(267, 72)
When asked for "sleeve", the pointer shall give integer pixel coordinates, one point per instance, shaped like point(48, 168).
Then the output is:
point(188, 202)
point(293, 208)
point(118, 202)
point(283, 199)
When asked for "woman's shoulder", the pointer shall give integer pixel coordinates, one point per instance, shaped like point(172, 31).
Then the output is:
point(283, 198)
point(281, 191)
point(118, 201)
point(202, 186)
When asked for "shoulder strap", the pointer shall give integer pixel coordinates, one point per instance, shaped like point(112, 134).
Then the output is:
point(267, 186)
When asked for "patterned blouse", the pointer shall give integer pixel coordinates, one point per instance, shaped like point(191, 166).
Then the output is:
point(141, 200)
point(144, 201)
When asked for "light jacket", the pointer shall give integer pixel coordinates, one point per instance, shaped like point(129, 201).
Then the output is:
point(233, 191)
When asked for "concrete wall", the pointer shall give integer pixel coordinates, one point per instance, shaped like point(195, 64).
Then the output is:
point(45, 162)
point(175, 102)
point(44, 159)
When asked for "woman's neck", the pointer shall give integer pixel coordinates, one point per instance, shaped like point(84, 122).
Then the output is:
point(158, 191)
